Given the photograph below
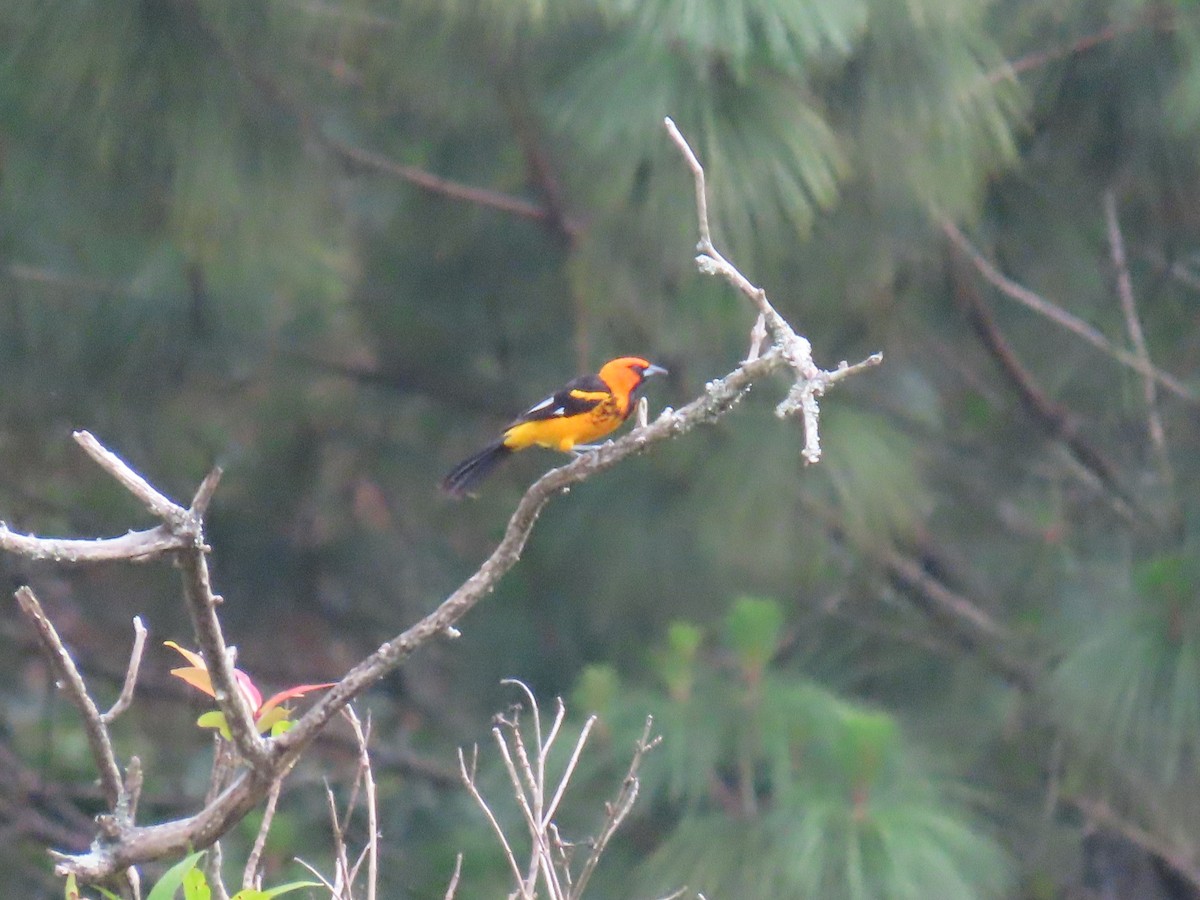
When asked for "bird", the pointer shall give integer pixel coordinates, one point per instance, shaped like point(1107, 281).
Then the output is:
point(582, 410)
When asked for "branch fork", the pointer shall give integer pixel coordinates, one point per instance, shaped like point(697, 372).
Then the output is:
point(788, 349)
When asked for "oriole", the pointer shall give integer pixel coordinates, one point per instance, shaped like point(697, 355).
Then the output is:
point(583, 410)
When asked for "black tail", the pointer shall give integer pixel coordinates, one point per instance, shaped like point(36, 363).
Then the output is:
point(468, 473)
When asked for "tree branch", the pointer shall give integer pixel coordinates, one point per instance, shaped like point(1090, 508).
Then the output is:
point(268, 759)
point(1056, 420)
point(71, 683)
point(1137, 337)
point(811, 381)
point(1060, 316)
point(131, 673)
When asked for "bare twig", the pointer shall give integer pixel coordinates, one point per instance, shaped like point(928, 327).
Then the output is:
point(136, 546)
point(362, 737)
point(334, 893)
point(550, 855)
point(131, 673)
point(250, 875)
point(72, 684)
point(1116, 244)
point(1179, 861)
point(811, 381)
point(1055, 419)
point(468, 777)
point(160, 506)
point(186, 526)
point(618, 809)
point(1060, 316)
point(452, 887)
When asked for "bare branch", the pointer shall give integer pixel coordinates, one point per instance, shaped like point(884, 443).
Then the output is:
point(570, 770)
point(160, 506)
point(362, 737)
point(182, 532)
point(468, 777)
point(1181, 862)
point(136, 546)
point(1137, 337)
point(452, 888)
point(1060, 316)
point(619, 808)
point(250, 875)
point(444, 187)
point(204, 493)
point(811, 381)
point(341, 863)
point(131, 673)
point(72, 684)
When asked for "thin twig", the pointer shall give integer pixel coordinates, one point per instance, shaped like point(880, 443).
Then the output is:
point(1179, 861)
point(72, 684)
point(468, 778)
point(452, 887)
point(341, 863)
point(334, 893)
point(135, 546)
point(213, 865)
point(1137, 337)
point(1060, 316)
point(131, 673)
point(362, 737)
point(250, 875)
point(796, 350)
point(1055, 419)
point(618, 809)
point(569, 771)
point(536, 835)
point(160, 506)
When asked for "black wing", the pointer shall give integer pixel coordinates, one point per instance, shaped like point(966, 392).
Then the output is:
point(577, 396)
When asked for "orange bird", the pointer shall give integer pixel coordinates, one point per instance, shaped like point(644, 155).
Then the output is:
point(584, 409)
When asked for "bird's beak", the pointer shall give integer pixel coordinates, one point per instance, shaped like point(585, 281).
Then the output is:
point(654, 370)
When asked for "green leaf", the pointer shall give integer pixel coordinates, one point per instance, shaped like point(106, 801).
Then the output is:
point(752, 629)
point(598, 688)
point(272, 719)
point(216, 719)
point(255, 894)
point(71, 890)
point(195, 886)
point(676, 663)
point(172, 879)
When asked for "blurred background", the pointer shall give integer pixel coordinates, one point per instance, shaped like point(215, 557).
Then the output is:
point(334, 245)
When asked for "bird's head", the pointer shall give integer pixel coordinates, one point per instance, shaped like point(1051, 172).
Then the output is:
point(625, 373)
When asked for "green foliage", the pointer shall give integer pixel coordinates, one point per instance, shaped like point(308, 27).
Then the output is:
point(175, 878)
point(1148, 718)
point(186, 875)
point(753, 629)
point(775, 786)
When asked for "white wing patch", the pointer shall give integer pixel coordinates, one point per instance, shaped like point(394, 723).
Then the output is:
point(546, 405)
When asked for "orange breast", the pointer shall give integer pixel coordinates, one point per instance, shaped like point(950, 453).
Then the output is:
point(565, 432)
